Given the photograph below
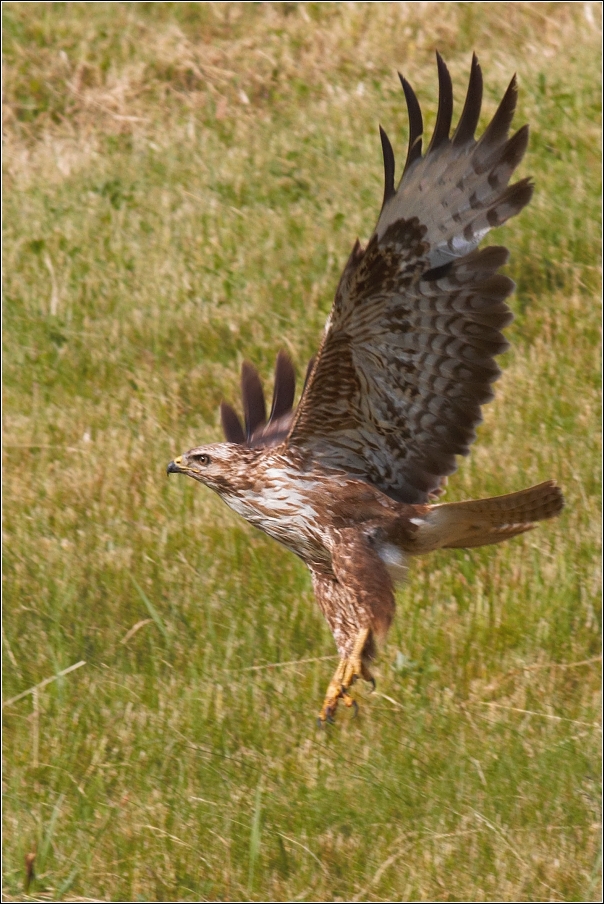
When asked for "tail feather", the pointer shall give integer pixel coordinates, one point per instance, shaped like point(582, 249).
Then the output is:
point(481, 522)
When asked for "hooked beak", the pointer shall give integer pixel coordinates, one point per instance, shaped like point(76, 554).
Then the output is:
point(174, 467)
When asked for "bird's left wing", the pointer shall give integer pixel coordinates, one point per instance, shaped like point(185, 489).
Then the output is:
point(258, 430)
point(407, 356)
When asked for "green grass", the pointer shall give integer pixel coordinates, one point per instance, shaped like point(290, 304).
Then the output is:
point(182, 185)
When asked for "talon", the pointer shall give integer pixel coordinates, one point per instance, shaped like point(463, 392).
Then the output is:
point(349, 670)
point(327, 713)
point(367, 676)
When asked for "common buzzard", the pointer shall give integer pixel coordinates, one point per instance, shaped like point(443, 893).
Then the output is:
point(347, 480)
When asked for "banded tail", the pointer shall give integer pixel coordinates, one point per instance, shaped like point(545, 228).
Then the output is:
point(481, 522)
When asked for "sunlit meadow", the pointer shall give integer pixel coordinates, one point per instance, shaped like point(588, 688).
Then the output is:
point(182, 185)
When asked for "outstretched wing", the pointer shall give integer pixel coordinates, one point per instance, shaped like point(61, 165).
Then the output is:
point(407, 356)
point(260, 431)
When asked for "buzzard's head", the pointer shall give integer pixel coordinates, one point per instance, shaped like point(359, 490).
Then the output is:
point(221, 466)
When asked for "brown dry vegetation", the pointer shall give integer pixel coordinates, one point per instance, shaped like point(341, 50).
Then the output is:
point(182, 185)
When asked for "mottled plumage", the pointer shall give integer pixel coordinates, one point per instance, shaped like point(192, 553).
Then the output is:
point(394, 394)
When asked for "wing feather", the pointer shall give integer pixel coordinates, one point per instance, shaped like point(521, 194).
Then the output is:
point(416, 124)
point(471, 111)
point(254, 407)
point(442, 128)
point(284, 388)
point(388, 154)
point(407, 357)
point(258, 431)
point(231, 425)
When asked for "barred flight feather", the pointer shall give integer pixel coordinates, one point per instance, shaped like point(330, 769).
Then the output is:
point(416, 325)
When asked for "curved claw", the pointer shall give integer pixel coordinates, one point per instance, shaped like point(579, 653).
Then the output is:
point(349, 670)
point(326, 716)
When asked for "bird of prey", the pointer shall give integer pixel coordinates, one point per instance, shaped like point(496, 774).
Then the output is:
point(347, 479)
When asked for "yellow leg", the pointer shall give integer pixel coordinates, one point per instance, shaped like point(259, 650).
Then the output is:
point(347, 672)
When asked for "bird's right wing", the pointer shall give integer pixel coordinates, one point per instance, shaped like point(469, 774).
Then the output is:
point(407, 356)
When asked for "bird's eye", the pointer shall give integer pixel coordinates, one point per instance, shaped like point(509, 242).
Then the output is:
point(202, 458)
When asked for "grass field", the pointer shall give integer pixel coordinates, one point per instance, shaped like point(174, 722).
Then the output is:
point(182, 185)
